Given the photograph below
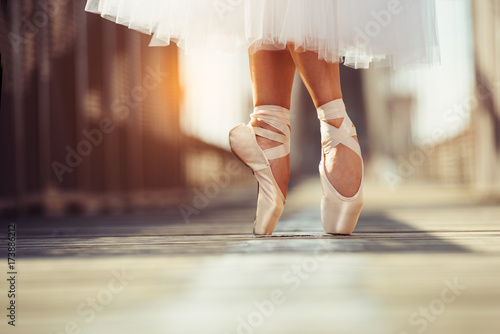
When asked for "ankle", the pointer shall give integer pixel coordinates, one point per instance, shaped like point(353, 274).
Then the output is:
point(332, 112)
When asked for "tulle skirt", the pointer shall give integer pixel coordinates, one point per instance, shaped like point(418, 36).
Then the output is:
point(397, 33)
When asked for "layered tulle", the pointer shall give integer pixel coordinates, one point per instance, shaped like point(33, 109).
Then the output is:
point(398, 33)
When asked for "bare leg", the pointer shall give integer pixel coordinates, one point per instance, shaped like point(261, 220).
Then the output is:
point(322, 80)
point(272, 75)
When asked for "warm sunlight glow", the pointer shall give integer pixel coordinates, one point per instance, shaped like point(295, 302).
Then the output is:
point(217, 94)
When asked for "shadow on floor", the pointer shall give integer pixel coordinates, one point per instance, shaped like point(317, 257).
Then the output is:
point(217, 230)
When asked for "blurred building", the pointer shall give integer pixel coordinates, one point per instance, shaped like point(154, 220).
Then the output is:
point(90, 115)
point(486, 112)
point(442, 125)
point(472, 157)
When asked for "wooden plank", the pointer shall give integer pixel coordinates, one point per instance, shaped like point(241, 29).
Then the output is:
point(425, 265)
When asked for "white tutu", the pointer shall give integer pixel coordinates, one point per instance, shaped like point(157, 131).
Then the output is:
point(398, 33)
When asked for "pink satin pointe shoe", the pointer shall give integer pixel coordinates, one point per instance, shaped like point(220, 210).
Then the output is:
point(339, 214)
point(243, 142)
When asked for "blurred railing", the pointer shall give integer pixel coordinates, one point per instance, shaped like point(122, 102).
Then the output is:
point(449, 162)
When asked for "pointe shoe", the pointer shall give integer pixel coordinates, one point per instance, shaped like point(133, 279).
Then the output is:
point(243, 142)
point(339, 214)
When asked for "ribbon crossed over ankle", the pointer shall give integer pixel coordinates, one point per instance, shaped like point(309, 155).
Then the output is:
point(333, 136)
point(279, 118)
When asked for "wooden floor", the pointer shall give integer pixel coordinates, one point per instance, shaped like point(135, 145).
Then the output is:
point(423, 259)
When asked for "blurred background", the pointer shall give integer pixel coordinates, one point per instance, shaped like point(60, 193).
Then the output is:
point(92, 120)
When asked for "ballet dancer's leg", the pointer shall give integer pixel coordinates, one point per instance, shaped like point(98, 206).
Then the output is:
point(272, 74)
point(264, 144)
point(322, 79)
